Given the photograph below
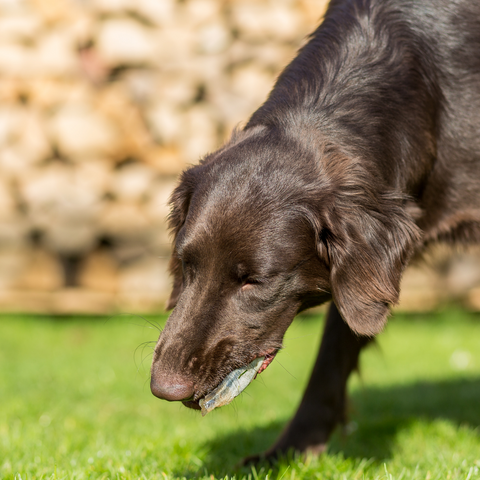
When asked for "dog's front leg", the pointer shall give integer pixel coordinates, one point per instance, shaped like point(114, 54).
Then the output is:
point(323, 403)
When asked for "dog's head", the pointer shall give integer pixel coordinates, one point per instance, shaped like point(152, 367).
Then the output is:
point(263, 229)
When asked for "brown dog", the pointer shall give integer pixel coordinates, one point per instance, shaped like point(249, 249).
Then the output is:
point(367, 150)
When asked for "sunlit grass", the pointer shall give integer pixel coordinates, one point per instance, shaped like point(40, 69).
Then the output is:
point(75, 403)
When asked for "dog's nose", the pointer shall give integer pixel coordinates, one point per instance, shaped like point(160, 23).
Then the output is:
point(174, 389)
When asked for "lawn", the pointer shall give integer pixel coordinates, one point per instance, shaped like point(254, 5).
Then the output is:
point(75, 403)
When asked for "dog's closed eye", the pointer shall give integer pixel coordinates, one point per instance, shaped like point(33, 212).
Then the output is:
point(187, 269)
point(248, 283)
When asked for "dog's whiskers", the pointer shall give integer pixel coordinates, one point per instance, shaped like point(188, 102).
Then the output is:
point(290, 373)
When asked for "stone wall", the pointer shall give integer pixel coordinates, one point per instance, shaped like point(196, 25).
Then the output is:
point(102, 104)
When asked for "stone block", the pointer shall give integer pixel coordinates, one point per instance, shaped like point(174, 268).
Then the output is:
point(12, 119)
point(59, 205)
point(420, 290)
point(56, 54)
point(165, 122)
point(99, 271)
point(13, 261)
point(20, 26)
point(42, 272)
point(213, 38)
point(80, 131)
point(124, 222)
point(267, 21)
point(17, 61)
point(149, 275)
point(28, 146)
point(200, 132)
point(82, 301)
point(126, 42)
point(167, 161)
point(132, 182)
point(252, 83)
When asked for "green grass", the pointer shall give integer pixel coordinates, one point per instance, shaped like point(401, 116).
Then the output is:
point(75, 403)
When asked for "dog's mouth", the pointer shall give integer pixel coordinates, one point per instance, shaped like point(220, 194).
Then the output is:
point(195, 403)
point(268, 360)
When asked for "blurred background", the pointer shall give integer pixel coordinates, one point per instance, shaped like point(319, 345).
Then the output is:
point(102, 104)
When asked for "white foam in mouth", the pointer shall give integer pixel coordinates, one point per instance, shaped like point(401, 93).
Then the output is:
point(232, 385)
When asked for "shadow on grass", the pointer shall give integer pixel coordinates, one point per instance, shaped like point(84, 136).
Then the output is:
point(378, 413)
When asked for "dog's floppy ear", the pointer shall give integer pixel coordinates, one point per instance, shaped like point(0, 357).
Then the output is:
point(368, 249)
point(179, 204)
